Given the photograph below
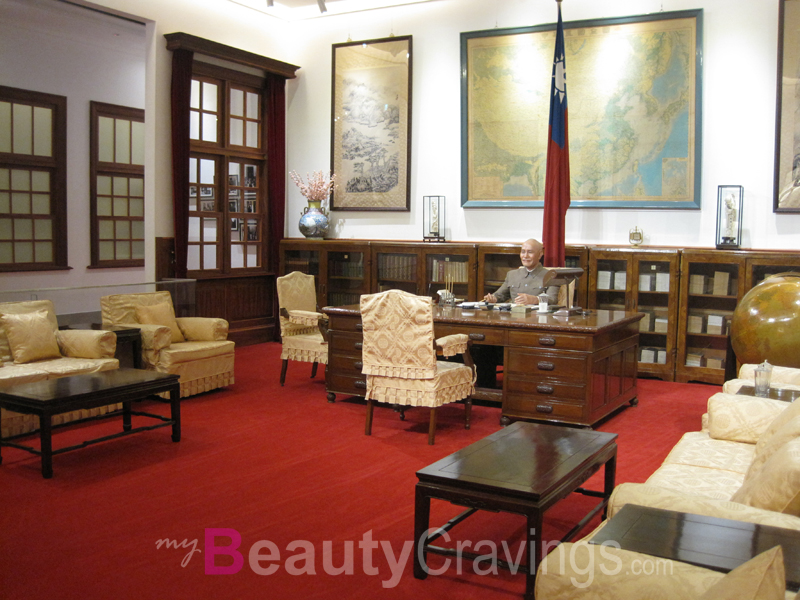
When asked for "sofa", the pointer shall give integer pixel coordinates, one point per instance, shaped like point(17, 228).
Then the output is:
point(33, 349)
point(782, 377)
point(195, 348)
point(744, 464)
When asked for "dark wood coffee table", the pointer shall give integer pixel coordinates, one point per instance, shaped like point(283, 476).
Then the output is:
point(524, 469)
point(710, 542)
point(56, 396)
point(774, 392)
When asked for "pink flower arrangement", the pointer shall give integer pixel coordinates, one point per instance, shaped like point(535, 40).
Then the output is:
point(319, 185)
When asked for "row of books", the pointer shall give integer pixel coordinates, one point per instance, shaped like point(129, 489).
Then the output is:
point(719, 284)
point(705, 357)
point(346, 268)
point(655, 320)
point(654, 282)
point(715, 323)
point(653, 355)
point(612, 280)
point(397, 266)
point(298, 264)
point(449, 270)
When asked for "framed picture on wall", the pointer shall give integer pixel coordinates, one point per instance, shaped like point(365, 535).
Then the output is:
point(634, 96)
point(371, 128)
point(787, 120)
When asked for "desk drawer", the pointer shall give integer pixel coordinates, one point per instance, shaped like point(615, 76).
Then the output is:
point(343, 364)
point(554, 341)
point(552, 365)
point(488, 336)
point(345, 343)
point(542, 389)
point(517, 405)
point(351, 385)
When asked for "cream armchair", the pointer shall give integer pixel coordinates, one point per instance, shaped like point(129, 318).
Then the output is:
point(301, 325)
point(399, 357)
point(195, 348)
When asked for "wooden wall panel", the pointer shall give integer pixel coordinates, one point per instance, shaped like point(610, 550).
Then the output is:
point(245, 302)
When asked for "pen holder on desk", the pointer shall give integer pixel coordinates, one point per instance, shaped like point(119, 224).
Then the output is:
point(447, 299)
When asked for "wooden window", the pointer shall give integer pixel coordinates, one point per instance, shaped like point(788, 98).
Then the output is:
point(227, 162)
point(117, 186)
point(33, 140)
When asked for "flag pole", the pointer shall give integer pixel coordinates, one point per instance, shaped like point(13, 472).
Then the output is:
point(557, 179)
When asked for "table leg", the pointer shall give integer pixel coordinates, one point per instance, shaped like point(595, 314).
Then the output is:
point(610, 478)
point(534, 541)
point(126, 416)
point(175, 404)
point(422, 514)
point(46, 437)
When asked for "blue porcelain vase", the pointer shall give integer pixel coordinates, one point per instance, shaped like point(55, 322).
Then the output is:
point(314, 222)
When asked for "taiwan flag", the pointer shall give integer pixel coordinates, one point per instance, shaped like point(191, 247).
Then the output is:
point(556, 186)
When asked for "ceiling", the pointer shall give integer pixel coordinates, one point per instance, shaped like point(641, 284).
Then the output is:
point(292, 10)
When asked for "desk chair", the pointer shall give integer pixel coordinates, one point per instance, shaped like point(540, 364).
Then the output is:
point(399, 357)
point(302, 326)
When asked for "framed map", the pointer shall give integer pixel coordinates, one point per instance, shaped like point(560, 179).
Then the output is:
point(634, 112)
point(787, 135)
point(371, 128)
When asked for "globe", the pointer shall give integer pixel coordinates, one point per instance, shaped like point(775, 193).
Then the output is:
point(766, 323)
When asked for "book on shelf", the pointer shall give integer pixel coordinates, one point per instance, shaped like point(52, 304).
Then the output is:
point(647, 355)
point(661, 356)
point(646, 281)
point(662, 282)
point(698, 284)
point(715, 324)
point(661, 325)
point(620, 280)
point(695, 323)
point(721, 286)
point(695, 359)
point(645, 323)
point(604, 280)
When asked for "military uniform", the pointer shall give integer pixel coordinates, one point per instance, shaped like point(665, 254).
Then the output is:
point(522, 281)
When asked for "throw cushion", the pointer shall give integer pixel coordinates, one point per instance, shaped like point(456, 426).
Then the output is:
point(776, 485)
point(785, 433)
point(741, 418)
point(760, 578)
point(31, 336)
point(160, 314)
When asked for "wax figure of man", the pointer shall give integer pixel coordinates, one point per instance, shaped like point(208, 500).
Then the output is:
point(523, 285)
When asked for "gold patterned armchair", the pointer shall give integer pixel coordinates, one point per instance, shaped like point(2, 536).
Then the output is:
point(196, 348)
point(399, 357)
point(301, 323)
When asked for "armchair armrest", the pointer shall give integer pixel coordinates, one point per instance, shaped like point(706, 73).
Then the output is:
point(86, 343)
point(154, 337)
point(450, 345)
point(657, 497)
point(203, 329)
point(741, 418)
point(305, 318)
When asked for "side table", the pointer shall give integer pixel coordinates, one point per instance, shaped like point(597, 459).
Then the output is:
point(775, 393)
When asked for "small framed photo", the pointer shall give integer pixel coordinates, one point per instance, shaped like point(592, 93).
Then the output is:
point(250, 176)
point(233, 205)
point(233, 180)
point(235, 224)
point(206, 191)
point(249, 206)
point(207, 205)
point(192, 191)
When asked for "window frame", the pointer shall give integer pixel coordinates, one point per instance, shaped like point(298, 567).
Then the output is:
point(56, 165)
point(112, 169)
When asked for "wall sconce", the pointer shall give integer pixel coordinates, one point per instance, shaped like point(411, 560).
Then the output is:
point(729, 216)
point(433, 218)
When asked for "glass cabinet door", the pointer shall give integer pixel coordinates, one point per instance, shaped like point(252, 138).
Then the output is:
point(656, 295)
point(346, 277)
point(610, 277)
point(395, 269)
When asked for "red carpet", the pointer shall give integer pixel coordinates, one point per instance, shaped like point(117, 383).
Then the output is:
point(292, 475)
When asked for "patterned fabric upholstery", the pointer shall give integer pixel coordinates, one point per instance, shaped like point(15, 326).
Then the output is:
point(205, 361)
point(782, 377)
point(741, 418)
point(399, 356)
point(302, 339)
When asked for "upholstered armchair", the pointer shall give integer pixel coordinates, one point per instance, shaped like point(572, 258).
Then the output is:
point(195, 348)
point(399, 357)
point(302, 325)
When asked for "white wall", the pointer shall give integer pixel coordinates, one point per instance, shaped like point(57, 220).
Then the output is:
point(739, 67)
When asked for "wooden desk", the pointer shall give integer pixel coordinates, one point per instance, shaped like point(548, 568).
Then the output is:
point(571, 370)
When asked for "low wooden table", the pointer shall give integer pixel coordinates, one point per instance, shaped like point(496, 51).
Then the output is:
point(524, 469)
point(774, 392)
point(56, 396)
point(710, 542)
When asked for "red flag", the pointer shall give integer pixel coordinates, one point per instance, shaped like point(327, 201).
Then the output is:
point(556, 185)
